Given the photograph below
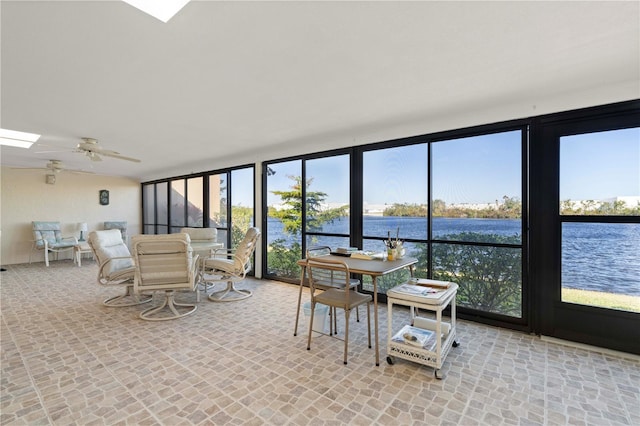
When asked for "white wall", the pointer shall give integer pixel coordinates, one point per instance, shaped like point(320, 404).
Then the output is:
point(26, 197)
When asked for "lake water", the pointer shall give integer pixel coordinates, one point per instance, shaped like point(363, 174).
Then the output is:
point(600, 257)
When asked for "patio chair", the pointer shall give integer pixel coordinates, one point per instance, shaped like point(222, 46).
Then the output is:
point(324, 280)
point(115, 267)
point(164, 263)
point(47, 236)
point(118, 224)
point(231, 266)
point(341, 298)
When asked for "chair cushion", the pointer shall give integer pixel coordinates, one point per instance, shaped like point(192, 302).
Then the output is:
point(49, 231)
point(118, 224)
point(107, 245)
point(224, 265)
point(201, 234)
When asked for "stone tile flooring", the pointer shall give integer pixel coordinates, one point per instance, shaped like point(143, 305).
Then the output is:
point(68, 360)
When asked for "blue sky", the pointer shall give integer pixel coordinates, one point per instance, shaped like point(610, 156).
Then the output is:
point(600, 165)
point(479, 169)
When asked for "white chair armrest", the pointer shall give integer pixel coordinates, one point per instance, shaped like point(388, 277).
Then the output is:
point(194, 266)
point(108, 261)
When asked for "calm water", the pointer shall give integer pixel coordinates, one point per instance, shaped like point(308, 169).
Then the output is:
point(600, 257)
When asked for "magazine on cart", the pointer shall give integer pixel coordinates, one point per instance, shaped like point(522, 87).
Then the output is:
point(414, 290)
point(417, 337)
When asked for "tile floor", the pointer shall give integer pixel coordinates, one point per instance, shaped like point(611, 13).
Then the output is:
point(68, 360)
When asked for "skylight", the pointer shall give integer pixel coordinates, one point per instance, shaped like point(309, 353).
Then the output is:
point(17, 139)
point(159, 9)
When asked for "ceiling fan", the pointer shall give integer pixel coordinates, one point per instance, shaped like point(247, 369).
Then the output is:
point(54, 166)
point(89, 146)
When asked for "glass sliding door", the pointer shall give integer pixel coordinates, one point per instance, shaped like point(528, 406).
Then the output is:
point(308, 203)
point(283, 233)
point(218, 205)
point(599, 180)
point(242, 203)
point(162, 208)
point(202, 200)
point(327, 201)
point(149, 209)
point(195, 205)
point(586, 220)
point(395, 205)
point(477, 221)
point(178, 212)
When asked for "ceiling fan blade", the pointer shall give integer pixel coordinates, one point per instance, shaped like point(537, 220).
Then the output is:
point(92, 150)
point(29, 168)
point(48, 152)
point(92, 156)
point(118, 156)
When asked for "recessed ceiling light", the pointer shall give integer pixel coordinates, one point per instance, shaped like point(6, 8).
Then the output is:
point(17, 139)
point(159, 9)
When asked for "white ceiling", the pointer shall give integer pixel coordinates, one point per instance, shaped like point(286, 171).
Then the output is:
point(225, 83)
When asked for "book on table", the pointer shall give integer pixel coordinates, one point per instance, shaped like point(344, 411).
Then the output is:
point(367, 255)
point(346, 250)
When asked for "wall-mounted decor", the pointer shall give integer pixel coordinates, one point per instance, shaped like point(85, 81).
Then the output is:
point(104, 197)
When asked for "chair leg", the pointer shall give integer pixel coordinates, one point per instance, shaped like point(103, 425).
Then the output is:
point(46, 257)
point(313, 309)
point(169, 302)
point(119, 301)
point(346, 334)
point(221, 296)
point(369, 323)
point(295, 330)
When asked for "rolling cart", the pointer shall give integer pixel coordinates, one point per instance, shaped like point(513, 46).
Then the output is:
point(425, 341)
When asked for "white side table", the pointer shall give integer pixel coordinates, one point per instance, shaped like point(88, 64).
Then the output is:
point(79, 250)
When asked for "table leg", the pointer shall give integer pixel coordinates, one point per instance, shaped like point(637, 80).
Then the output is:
point(295, 330)
point(375, 317)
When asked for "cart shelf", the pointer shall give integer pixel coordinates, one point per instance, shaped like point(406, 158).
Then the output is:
point(427, 342)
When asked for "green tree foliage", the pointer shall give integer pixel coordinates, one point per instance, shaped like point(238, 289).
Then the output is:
point(291, 216)
point(406, 210)
point(489, 278)
point(510, 208)
point(598, 208)
point(281, 260)
point(240, 223)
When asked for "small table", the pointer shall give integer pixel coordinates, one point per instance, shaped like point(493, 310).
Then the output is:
point(373, 268)
point(79, 250)
point(440, 337)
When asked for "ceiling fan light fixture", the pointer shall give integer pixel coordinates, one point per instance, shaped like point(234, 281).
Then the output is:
point(159, 9)
point(17, 139)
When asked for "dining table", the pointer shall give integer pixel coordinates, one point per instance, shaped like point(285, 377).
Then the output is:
point(204, 249)
point(374, 268)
